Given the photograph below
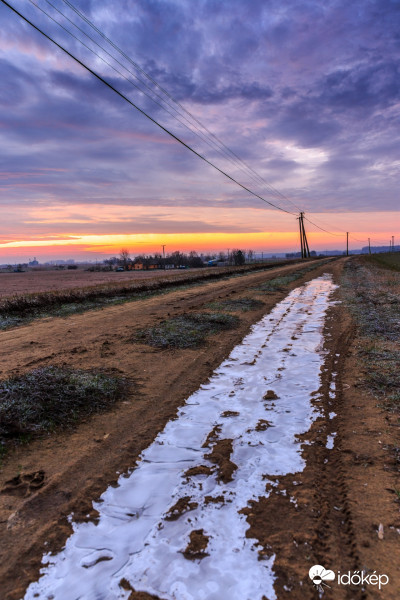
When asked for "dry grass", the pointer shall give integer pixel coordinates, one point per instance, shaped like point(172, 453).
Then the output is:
point(52, 397)
point(242, 304)
point(277, 284)
point(388, 260)
point(373, 295)
point(186, 331)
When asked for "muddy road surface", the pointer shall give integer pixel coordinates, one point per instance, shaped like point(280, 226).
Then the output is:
point(229, 471)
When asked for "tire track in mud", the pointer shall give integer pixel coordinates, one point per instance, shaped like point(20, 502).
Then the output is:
point(176, 527)
point(335, 533)
point(315, 512)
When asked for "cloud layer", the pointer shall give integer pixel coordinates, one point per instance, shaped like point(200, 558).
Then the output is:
point(306, 92)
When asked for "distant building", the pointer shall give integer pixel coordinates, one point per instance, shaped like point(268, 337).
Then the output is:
point(33, 263)
point(146, 264)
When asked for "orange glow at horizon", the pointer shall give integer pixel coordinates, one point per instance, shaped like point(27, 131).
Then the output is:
point(110, 245)
point(150, 242)
point(59, 232)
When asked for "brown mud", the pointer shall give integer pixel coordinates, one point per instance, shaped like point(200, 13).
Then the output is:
point(196, 548)
point(220, 455)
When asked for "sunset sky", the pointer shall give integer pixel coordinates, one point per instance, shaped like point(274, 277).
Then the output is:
point(306, 92)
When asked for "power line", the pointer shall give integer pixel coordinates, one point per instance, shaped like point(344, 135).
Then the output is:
point(112, 67)
point(143, 112)
point(199, 133)
point(273, 190)
point(223, 150)
point(321, 228)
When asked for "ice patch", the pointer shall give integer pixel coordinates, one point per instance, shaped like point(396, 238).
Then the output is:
point(330, 441)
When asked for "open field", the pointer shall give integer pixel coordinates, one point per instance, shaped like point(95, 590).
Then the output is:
point(22, 308)
point(36, 281)
point(340, 511)
point(51, 280)
point(389, 260)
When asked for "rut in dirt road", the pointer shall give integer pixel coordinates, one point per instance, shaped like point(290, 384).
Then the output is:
point(174, 527)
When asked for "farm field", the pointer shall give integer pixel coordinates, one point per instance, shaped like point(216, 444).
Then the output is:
point(340, 508)
point(36, 281)
point(32, 282)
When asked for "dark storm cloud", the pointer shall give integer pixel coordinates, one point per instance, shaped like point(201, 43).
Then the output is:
point(277, 81)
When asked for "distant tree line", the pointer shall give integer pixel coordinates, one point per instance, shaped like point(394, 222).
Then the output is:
point(178, 259)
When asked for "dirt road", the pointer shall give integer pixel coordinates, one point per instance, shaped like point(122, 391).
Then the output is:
point(326, 516)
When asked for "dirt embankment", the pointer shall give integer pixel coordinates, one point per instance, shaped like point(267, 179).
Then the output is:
point(320, 525)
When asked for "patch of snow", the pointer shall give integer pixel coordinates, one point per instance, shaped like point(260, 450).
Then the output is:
point(330, 441)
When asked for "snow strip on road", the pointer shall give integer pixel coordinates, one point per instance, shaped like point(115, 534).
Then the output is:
point(135, 541)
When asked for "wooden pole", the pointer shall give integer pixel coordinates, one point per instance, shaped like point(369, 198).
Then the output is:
point(301, 237)
point(305, 249)
point(347, 243)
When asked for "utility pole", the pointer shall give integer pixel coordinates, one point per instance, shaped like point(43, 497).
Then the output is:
point(369, 245)
point(347, 243)
point(305, 250)
point(392, 243)
point(301, 238)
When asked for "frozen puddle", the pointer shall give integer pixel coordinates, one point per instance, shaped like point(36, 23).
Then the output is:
point(182, 492)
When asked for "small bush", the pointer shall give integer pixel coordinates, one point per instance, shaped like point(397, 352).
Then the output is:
point(186, 331)
point(51, 397)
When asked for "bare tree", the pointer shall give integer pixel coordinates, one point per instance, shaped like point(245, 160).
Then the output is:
point(238, 257)
point(124, 257)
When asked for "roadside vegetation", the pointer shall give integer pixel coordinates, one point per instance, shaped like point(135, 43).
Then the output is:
point(371, 288)
point(22, 308)
point(50, 398)
point(238, 304)
point(277, 283)
point(186, 331)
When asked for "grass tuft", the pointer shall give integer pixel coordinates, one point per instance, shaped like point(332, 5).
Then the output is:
point(51, 397)
point(186, 331)
point(242, 304)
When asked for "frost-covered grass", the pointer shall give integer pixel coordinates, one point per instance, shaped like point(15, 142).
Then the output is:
point(242, 304)
point(373, 296)
point(186, 331)
point(53, 397)
point(277, 284)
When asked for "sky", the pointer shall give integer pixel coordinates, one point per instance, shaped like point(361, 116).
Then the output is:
point(305, 92)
